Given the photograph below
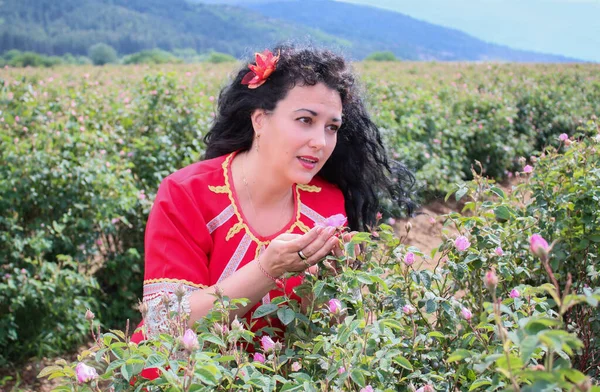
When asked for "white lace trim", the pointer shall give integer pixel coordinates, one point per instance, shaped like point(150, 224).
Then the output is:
point(158, 316)
point(311, 214)
point(220, 219)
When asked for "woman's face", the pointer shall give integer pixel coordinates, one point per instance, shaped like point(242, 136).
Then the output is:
point(299, 135)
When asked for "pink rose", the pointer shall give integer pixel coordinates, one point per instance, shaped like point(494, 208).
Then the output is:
point(341, 370)
point(190, 340)
point(563, 137)
point(258, 357)
point(296, 367)
point(514, 293)
point(539, 246)
point(499, 251)
point(466, 313)
point(461, 243)
point(527, 169)
point(491, 280)
point(409, 309)
point(368, 388)
point(409, 258)
point(335, 306)
point(85, 373)
point(426, 388)
point(337, 220)
point(267, 343)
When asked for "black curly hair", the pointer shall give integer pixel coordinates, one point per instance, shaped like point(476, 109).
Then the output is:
point(359, 165)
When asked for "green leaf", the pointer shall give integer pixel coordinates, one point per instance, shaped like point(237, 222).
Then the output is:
point(430, 306)
point(358, 377)
point(264, 310)
point(120, 334)
point(528, 346)
point(208, 373)
point(286, 315)
point(460, 193)
point(502, 213)
point(436, 334)
point(114, 364)
point(125, 372)
point(213, 339)
point(403, 362)
point(458, 355)
point(49, 369)
point(499, 192)
point(478, 384)
point(594, 238)
point(574, 375)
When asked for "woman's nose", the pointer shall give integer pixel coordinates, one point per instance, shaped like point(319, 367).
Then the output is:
point(317, 139)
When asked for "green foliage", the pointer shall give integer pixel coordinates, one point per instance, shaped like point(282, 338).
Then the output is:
point(40, 308)
point(15, 58)
point(83, 150)
point(78, 176)
point(217, 58)
point(154, 56)
point(381, 56)
point(440, 121)
point(102, 54)
point(401, 326)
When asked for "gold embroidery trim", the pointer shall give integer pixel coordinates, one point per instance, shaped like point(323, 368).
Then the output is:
point(234, 230)
point(303, 227)
point(308, 188)
point(218, 189)
point(168, 280)
point(226, 189)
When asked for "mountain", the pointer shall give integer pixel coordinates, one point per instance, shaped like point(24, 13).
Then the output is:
point(566, 27)
point(72, 26)
point(370, 29)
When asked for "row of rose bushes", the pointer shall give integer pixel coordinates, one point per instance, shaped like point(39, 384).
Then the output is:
point(83, 151)
point(505, 303)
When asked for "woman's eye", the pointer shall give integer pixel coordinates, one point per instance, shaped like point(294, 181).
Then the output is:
point(334, 128)
point(306, 120)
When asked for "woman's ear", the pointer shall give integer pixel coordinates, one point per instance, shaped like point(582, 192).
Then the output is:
point(258, 118)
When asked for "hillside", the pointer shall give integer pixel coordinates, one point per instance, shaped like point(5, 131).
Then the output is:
point(72, 26)
point(371, 29)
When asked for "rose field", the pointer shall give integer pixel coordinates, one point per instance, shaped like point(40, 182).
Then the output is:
point(500, 293)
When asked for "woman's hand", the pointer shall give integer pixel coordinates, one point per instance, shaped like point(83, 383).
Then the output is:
point(282, 254)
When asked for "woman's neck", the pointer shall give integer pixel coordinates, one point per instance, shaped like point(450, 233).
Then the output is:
point(265, 187)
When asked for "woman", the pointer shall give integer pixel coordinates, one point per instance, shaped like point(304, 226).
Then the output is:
point(291, 145)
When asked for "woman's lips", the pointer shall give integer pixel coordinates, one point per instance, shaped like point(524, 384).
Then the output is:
point(308, 162)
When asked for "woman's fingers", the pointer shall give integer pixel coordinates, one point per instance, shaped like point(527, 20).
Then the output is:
point(321, 241)
point(323, 251)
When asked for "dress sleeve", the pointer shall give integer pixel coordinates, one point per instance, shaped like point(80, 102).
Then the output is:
point(177, 245)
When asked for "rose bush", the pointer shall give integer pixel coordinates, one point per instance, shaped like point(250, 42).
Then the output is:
point(466, 317)
point(83, 151)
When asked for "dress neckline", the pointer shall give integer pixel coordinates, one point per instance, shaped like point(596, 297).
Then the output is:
point(288, 227)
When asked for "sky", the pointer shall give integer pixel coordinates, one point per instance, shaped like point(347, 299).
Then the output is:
point(567, 27)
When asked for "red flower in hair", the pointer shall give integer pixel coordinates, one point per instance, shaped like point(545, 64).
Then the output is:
point(265, 65)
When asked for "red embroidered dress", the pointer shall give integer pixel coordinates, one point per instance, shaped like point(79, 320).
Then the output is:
point(197, 235)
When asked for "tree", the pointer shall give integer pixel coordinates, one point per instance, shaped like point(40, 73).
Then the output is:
point(381, 56)
point(101, 54)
